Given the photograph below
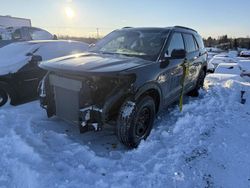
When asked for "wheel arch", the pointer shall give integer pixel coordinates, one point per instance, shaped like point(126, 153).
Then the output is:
point(6, 86)
point(153, 90)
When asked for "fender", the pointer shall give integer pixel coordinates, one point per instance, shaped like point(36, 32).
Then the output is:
point(149, 86)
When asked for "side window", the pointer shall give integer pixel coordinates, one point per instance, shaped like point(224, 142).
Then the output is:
point(17, 35)
point(176, 43)
point(200, 42)
point(190, 43)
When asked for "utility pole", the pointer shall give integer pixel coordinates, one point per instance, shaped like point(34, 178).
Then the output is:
point(97, 33)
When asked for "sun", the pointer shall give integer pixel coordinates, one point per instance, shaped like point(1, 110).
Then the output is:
point(70, 13)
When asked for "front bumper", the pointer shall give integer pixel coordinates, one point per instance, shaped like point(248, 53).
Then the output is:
point(61, 96)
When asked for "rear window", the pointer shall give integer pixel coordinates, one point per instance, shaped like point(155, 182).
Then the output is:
point(199, 41)
point(191, 45)
point(38, 34)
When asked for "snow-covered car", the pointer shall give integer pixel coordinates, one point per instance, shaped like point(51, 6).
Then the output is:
point(214, 50)
point(245, 65)
point(245, 68)
point(228, 68)
point(245, 54)
point(19, 71)
point(18, 34)
point(218, 59)
point(241, 69)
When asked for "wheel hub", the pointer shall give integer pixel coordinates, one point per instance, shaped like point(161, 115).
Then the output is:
point(143, 122)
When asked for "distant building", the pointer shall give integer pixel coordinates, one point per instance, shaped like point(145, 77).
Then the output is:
point(9, 21)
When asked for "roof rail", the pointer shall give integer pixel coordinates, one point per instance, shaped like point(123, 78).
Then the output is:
point(182, 27)
point(127, 27)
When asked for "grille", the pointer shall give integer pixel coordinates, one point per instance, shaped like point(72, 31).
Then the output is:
point(66, 92)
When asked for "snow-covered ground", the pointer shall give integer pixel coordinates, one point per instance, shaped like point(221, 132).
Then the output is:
point(206, 145)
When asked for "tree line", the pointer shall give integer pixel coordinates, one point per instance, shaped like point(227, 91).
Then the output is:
point(226, 42)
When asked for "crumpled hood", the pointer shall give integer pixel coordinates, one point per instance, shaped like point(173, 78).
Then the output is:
point(92, 63)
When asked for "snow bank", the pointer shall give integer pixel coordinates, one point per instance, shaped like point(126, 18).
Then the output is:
point(206, 145)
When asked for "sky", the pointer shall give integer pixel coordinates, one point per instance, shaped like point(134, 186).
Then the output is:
point(83, 17)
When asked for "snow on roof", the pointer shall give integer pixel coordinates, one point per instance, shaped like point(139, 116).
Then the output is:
point(13, 56)
point(245, 65)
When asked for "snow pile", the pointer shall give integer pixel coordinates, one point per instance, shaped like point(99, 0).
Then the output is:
point(206, 145)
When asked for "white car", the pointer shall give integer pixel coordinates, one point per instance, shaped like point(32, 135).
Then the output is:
point(17, 34)
point(228, 68)
point(19, 71)
point(241, 69)
point(218, 59)
point(245, 54)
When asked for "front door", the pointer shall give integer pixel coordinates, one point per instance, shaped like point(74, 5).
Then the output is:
point(28, 79)
point(171, 75)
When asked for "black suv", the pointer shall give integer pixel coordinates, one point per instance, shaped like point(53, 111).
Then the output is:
point(125, 79)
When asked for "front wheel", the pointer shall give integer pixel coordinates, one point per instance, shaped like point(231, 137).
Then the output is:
point(3, 97)
point(135, 121)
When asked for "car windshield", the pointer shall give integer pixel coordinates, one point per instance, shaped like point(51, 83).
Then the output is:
point(145, 43)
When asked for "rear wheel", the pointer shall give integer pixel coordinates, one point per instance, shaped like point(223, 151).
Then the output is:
point(3, 97)
point(199, 84)
point(135, 121)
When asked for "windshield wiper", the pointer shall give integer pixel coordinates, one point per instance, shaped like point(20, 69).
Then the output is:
point(111, 53)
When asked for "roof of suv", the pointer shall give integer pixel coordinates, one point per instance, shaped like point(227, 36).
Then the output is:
point(176, 28)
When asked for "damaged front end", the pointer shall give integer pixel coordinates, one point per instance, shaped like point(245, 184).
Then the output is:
point(86, 101)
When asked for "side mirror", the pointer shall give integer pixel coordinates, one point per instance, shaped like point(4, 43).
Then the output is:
point(92, 45)
point(36, 59)
point(178, 54)
point(29, 54)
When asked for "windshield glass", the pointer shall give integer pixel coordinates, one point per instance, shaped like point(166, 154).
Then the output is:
point(145, 43)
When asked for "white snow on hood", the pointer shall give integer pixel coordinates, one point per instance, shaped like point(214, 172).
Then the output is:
point(13, 56)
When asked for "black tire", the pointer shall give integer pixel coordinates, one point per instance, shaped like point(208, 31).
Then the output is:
point(135, 121)
point(199, 84)
point(3, 97)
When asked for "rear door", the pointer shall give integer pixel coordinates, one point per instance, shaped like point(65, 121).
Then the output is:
point(192, 58)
